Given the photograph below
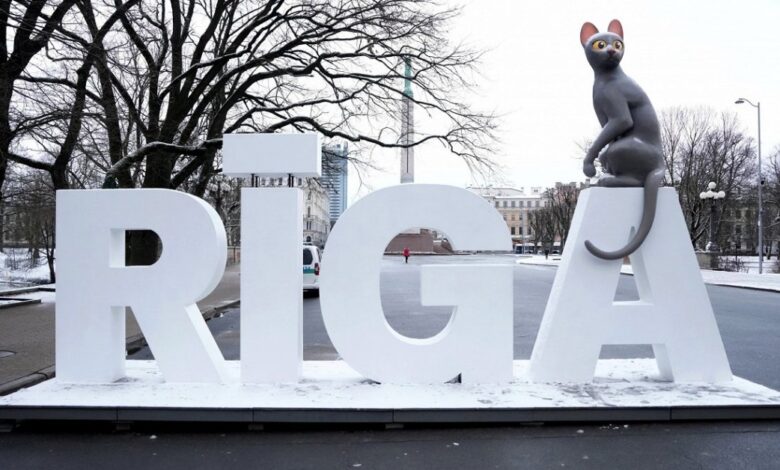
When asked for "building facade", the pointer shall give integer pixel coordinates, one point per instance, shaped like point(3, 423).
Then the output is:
point(334, 178)
point(738, 230)
point(316, 206)
point(515, 205)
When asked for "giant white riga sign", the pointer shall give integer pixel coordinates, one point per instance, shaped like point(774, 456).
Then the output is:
point(95, 287)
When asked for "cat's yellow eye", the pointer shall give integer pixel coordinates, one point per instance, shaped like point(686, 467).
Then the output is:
point(599, 45)
point(617, 44)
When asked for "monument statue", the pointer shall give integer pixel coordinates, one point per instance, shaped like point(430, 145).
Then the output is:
point(629, 144)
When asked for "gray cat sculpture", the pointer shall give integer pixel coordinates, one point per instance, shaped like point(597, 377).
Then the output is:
point(629, 130)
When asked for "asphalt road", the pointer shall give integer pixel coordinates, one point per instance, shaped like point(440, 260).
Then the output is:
point(749, 322)
point(650, 446)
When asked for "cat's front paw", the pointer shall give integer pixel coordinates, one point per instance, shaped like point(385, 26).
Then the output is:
point(589, 169)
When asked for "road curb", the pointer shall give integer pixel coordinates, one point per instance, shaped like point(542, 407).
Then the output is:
point(762, 289)
point(27, 381)
point(134, 343)
point(127, 416)
point(19, 303)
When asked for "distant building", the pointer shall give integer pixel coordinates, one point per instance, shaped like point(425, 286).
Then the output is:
point(515, 205)
point(738, 232)
point(334, 178)
point(12, 226)
point(316, 206)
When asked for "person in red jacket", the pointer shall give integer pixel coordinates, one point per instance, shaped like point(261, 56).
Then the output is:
point(406, 254)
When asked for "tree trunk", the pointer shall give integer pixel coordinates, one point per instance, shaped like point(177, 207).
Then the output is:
point(52, 274)
point(142, 247)
point(2, 223)
point(6, 86)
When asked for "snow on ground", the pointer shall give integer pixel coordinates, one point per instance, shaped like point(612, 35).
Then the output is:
point(44, 296)
point(749, 264)
point(334, 385)
point(15, 269)
point(766, 281)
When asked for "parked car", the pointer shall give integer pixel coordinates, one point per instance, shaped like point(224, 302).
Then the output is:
point(311, 270)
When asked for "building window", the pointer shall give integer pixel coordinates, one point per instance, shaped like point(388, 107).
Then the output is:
point(513, 203)
point(513, 230)
point(504, 203)
point(537, 203)
point(496, 204)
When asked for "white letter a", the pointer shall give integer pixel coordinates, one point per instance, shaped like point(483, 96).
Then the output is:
point(673, 313)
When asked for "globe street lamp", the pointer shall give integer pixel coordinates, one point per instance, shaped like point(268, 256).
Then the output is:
point(712, 196)
point(760, 186)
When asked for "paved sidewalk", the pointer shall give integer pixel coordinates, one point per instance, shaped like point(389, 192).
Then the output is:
point(767, 281)
point(29, 332)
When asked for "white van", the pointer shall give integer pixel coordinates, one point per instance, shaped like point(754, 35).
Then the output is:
point(311, 269)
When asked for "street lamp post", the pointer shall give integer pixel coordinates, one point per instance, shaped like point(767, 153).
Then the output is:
point(760, 187)
point(712, 196)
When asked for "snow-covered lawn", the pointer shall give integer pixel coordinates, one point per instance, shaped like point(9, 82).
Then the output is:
point(749, 264)
point(16, 269)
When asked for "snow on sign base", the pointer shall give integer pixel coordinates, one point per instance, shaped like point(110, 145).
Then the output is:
point(333, 385)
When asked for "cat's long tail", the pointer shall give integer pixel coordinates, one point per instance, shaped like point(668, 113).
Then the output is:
point(652, 182)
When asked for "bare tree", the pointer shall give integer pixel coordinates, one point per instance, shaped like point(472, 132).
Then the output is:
point(61, 105)
point(772, 203)
point(701, 146)
point(562, 200)
point(29, 204)
point(27, 28)
point(772, 183)
point(144, 89)
point(543, 226)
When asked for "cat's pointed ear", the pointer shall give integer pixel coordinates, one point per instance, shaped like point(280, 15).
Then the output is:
point(615, 27)
point(588, 30)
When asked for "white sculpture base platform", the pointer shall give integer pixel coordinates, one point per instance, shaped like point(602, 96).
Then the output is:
point(623, 390)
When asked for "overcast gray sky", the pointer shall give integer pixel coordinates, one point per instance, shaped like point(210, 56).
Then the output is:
point(688, 53)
